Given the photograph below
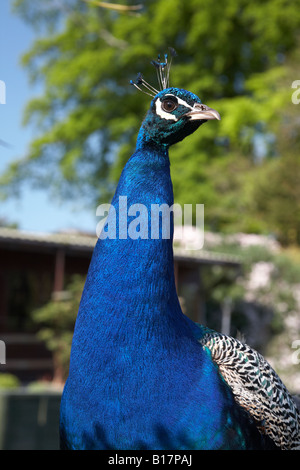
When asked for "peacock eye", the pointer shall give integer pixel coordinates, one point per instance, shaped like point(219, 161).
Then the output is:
point(169, 104)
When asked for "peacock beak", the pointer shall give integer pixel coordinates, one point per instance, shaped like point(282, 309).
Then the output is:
point(201, 111)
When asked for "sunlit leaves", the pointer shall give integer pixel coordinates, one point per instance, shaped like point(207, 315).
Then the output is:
point(237, 56)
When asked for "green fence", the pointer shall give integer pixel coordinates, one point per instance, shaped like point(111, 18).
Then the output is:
point(29, 420)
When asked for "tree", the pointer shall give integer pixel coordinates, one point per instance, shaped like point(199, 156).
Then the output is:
point(236, 55)
point(277, 190)
point(56, 321)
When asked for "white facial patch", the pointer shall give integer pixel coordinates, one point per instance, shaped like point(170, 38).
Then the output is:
point(163, 114)
point(160, 112)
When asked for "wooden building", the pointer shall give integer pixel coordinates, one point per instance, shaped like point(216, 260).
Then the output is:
point(35, 266)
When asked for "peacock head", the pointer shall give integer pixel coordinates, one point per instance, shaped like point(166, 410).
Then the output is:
point(174, 112)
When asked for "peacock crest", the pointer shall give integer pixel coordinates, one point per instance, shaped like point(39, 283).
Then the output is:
point(163, 68)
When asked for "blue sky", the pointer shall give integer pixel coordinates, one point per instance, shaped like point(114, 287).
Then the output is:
point(34, 211)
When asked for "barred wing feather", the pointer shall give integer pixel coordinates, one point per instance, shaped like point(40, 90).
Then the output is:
point(257, 388)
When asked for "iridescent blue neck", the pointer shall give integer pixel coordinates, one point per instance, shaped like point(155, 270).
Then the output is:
point(149, 139)
point(140, 268)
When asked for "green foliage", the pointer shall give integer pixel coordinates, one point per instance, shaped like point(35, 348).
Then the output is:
point(56, 322)
point(278, 197)
point(278, 294)
point(238, 56)
point(8, 381)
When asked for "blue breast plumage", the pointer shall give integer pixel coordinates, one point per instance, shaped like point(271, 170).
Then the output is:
point(142, 375)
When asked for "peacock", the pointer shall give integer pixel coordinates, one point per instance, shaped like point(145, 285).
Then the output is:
point(142, 374)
